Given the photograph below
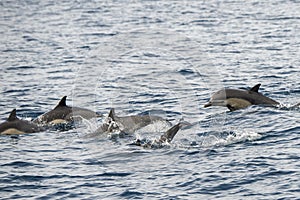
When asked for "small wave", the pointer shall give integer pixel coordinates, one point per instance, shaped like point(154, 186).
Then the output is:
point(131, 194)
point(19, 164)
point(289, 106)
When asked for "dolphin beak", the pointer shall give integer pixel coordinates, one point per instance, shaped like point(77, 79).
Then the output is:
point(208, 105)
point(216, 103)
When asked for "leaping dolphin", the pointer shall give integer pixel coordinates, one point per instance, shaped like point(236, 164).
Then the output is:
point(14, 125)
point(235, 99)
point(127, 124)
point(63, 114)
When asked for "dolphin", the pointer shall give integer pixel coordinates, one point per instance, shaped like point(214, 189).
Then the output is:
point(235, 99)
point(14, 125)
point(64, 114)
point(127, 124)
point(167, 137)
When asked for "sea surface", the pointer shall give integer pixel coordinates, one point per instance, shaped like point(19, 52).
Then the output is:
point(163, 58)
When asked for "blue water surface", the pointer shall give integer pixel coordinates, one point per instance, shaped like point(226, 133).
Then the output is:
point(165, 58)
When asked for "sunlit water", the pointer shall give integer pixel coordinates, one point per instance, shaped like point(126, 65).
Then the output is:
point(157, 57)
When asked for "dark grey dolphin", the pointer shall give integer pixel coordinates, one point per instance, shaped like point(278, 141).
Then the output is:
point(14, 125)
point(127, 124)
point(167, 137)
point(63, 113)
point(235, 99)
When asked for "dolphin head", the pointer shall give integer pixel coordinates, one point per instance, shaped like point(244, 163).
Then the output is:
point(217, 99)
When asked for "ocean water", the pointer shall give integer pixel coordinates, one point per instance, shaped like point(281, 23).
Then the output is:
point(160, 57)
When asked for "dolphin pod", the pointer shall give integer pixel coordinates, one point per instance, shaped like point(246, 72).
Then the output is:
point(63, 113)
point(235, 99)
point(14, 125)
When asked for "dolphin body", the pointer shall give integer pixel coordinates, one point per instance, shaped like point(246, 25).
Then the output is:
point(64, 114)
point(235, 99)
point(127, 124)
point(14, 125)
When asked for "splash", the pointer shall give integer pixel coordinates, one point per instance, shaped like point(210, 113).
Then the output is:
point(229, 137)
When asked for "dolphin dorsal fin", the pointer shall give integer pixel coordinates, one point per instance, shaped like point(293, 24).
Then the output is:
point(112, 114)
point(62, 102)
point(12, 115)
point(255, 88)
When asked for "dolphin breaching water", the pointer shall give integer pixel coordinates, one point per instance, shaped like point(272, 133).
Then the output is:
point(128, 124)
point(235, 99)
point(65, 114)
point(14, 125)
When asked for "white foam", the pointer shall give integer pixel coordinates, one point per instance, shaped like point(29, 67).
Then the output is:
point(235, 137)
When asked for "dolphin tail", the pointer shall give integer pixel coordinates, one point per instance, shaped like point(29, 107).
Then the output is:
point(12, 115)
point(170, 134)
